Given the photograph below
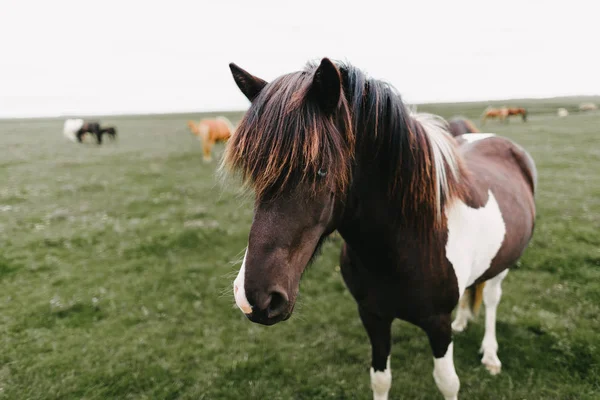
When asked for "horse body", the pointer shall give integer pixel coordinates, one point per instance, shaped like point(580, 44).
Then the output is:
point(425, 219)
point(211, 131)
point(500, 113)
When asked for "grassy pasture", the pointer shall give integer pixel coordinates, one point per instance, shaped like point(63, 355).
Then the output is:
point(116, 265)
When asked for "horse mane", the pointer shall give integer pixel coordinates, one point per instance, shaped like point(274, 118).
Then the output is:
point(285, 139)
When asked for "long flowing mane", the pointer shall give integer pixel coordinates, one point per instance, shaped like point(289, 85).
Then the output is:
point(285, 139)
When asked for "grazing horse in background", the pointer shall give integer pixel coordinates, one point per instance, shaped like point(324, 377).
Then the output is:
point(517, 111)
point(460, 125)
point(211, 131)
point(588, 107)
point(500, 113)
point(75, 129)
point(425, 218)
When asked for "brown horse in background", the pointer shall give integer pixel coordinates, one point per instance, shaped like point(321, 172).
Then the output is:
point(500, 113)
point(459, 126)
point(518, 111)
point(211, 131)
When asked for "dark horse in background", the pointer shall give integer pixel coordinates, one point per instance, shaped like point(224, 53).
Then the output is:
point(426, 219)
point(76, 129)
point(459, 126)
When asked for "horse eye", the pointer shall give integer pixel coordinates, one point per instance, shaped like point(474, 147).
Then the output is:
point(322, 172)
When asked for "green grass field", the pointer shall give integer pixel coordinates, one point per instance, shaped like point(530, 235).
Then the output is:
point(116, 264)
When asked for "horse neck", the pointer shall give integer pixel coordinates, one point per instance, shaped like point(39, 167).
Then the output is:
point(432, 175)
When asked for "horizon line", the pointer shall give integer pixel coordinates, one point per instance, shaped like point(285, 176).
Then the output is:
point(215, 111)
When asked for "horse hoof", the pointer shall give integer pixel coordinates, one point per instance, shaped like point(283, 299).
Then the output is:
point(492, 364)
point(459, 326)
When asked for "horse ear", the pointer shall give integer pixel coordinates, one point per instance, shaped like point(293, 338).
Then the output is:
point(249, 84)
point(326, 86)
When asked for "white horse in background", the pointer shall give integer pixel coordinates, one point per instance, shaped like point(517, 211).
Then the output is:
point(71, 127)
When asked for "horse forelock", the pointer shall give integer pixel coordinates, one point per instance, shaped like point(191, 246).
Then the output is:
point(285, 139)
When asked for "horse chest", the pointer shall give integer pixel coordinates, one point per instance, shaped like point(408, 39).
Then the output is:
point(475, 236)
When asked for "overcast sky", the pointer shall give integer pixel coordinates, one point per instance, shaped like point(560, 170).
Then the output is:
point(81, 57)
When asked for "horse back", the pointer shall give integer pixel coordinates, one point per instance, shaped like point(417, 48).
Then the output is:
point(501, 167)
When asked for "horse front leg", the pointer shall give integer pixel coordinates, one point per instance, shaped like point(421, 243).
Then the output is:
point(379, 331)
point(439, 332)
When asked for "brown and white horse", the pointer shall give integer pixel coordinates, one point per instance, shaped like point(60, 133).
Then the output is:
point(459, 126)
point(425, 218)
point(76, 129)
point(211, 131)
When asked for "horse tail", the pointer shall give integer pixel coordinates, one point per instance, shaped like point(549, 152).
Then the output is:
point(474, 297)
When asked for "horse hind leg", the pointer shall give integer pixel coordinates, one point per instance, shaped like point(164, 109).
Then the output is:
point(489, 346)
point(468, 307)
point(463, 313)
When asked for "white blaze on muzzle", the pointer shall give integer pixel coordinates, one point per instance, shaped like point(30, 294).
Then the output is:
point(238, 289)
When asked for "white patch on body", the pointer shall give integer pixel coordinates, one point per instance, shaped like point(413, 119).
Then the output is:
point(381, 382)
point(474, 137)
point(70, 128)
point(474, 237)
point(238, 289)
point(492, 292)
point(445, 376)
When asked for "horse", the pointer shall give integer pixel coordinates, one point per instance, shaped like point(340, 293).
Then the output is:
point(517, 111)
point(211, 131)
point(459, 126)
point(500, 113)
point(75, 129)
point(588, 107)
point(426, 219)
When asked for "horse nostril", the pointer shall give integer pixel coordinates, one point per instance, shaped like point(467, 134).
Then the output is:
point(278, 304)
